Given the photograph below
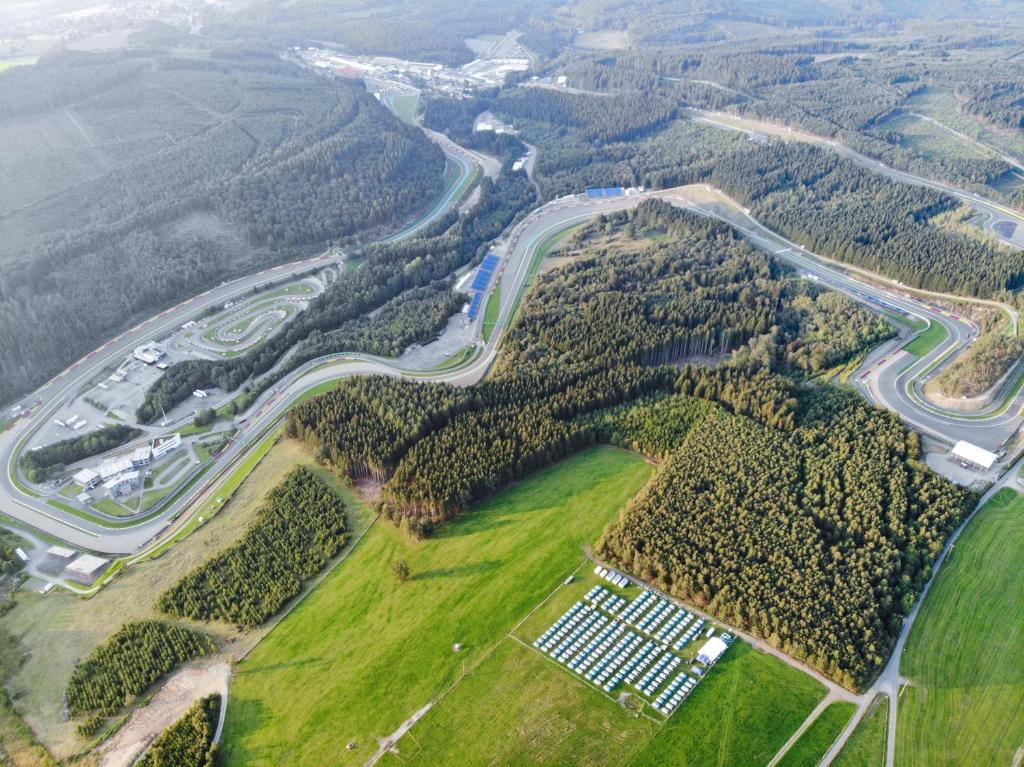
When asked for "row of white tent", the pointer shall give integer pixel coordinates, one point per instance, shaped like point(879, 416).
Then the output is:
point(612, 576)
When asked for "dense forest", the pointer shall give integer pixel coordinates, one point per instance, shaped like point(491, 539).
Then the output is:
point(840, 509)
point(39, 465)
point(334, 321)
point(189, 741)
point(837, 208)
point(129, 662)
point(300, 526)
point(590, 335)
point(223, 165)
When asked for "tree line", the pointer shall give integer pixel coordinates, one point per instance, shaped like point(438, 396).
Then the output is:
point(298, 529)
point(129, 662)
point(189, 741)
point(49, 460)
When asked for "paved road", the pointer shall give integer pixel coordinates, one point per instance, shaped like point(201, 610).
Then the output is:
point(994, 211)
point(518, 246)
point(891, 384)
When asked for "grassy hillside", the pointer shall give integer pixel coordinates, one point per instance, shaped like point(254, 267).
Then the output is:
point(964, 655)
point(375, 649)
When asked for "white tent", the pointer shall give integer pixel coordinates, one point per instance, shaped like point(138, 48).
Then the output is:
point(974, 455)
point(711, 651)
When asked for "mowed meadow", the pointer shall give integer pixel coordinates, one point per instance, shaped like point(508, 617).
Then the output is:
point(365, 651)
point(965, 704)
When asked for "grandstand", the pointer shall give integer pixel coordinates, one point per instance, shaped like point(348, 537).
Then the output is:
point(600, 193)
point(485, 272)
point(483, 278)
point(474, 306)
point(609, 641)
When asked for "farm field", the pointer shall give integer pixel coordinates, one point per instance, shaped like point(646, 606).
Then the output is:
point(866, 746)
point(817, 738)
point(376, 650)
point(60, 628)
point(963, 655)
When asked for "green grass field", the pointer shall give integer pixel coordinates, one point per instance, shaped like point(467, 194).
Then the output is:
point(491, 312)
point(540, 713)
point(926, 341)
point(964, 655)
point(60, 627)
point(817, 738)
point(364, 651)
point(405, 107)
point(866, 747)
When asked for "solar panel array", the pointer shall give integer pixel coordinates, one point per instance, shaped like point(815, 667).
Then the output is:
point(598, 193)
point(609, 641)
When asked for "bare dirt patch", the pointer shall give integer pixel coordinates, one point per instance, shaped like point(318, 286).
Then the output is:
point(176, 696)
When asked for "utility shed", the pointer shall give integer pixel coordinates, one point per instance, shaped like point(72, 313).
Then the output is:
point(974, 455)
point(711, 651)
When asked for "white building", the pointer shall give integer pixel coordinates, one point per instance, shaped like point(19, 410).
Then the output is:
point(200, 394)
point(148, 353)
point(60, 552)
point(86, 478)
point(164, 445)
point(141, 457)
point(123, 484)
point(712, 651)
point(86, 567)
point(972, 455)
point(115, 466)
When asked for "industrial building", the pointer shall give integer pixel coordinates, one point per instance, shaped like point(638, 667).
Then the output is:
point(114, 467)
point(123, 484)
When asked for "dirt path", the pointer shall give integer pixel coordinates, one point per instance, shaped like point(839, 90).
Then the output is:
point(386, 744)
point(178, 693)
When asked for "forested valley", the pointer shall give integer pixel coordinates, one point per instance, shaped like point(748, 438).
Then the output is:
point(145, 177)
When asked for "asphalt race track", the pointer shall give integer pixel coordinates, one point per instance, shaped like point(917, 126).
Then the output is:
point(891, 379)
